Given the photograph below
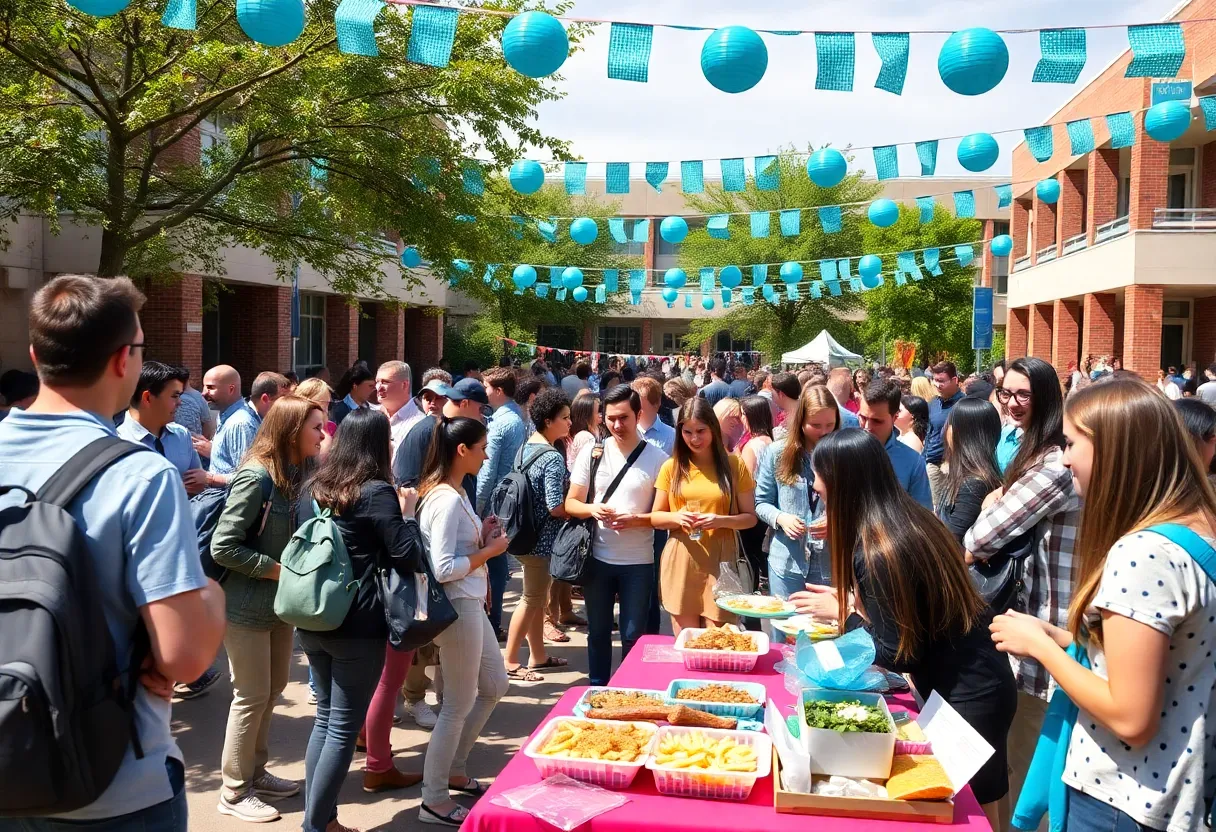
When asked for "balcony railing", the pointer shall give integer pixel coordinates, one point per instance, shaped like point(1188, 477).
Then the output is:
point(1076, 243)
point(1111, 230)
point(1184, 219)
point(1022, 262)
point(1045, 255)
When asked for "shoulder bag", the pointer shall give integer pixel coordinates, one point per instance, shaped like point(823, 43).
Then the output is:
point(735, 574)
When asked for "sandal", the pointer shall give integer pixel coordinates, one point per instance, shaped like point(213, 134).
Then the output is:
point(473, 788)
point(549, 663)
point(555, 635)
point(453, 818)
point(524, 674)
point(572, 620)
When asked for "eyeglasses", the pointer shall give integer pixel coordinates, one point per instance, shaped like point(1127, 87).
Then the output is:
point(1021, 396)
point(134, 347)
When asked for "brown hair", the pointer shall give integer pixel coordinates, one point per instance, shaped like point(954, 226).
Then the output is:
point(77, 323)
point(312, 388)
point(678, 390)
point(699, 409)
point(812, 400)
point(276, 440)
point(1133, 484)
point(649, 389)
point(501, 379)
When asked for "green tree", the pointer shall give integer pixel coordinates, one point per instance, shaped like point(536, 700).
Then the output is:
point(92, 111)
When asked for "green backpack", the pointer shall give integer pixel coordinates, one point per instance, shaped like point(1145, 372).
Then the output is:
point(316, 581)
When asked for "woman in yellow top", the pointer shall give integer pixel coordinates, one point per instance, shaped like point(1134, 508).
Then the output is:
point(703, 496)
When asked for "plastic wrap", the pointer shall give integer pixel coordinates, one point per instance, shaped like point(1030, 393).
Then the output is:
point(561, 801)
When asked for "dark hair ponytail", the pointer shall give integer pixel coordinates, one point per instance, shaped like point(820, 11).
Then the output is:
point(446, 440)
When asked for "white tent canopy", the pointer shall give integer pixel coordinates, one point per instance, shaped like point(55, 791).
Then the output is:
point(825, 350)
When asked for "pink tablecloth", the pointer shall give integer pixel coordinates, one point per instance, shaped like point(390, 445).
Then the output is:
point(647, 809)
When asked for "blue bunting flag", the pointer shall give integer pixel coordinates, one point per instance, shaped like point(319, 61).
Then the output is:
point(692, 176)
point(432, 33)
point(760, 224)
point(617, 178)
point(834, 55)
point(629, 51)
point(734, 179)
point(892, 49)
point(791, 222)
point(1063, 56)
point(768, 173)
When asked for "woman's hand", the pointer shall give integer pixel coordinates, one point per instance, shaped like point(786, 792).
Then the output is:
point(687, 519)
point(712, 521)
point(496, 545)
point(408, 500)
point(819, 529)
point(1022, 635)
point(821, 602)
point(992, 497)
point(791, 524)
point(272, 574)
point(603, 512)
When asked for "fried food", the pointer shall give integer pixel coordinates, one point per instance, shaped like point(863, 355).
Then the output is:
point(757, 603)
point(694, 718)
point(722, 638)
point(918, 777)
point(583, 740)
point(699, 751)
point(623, 699)
point(632, 713)
point(718, 693)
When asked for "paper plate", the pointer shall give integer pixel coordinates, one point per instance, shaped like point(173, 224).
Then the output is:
point(745, 605)
point(816, 630)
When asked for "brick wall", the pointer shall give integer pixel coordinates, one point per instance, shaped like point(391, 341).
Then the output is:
point(261, 330)
point(423, 339)
point(1070, 210)
point(1044, 226)
point(1017, 325)
point(341, 335)
point(1019, 228)
point(1102, 189)
point(1203, 329)
point(1065, 336)
point(187, 151)
point(986, 267)
point(1098, 327)
point(171, 311)
point(390, 333)
point(1142, 330)
point(1119, 319)
point(1038, 342)
point(1149, 179)
point(647, 343)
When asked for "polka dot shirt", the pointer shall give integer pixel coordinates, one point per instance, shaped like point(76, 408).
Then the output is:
point(1163, 784)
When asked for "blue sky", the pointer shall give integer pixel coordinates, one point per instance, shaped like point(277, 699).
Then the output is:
point(678, 115)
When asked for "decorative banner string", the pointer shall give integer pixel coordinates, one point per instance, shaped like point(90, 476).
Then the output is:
point(535, 348)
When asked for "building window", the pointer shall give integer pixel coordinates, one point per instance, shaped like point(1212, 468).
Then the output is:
point(619, 339)
point(1123, 201)
point(669, 343)
point(561, 337)
point(310, 348)
point(213, 132)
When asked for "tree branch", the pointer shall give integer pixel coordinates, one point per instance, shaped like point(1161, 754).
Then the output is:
point(91, 80)
point(64, 73)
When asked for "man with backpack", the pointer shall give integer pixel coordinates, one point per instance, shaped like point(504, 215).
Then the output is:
point(103, 602)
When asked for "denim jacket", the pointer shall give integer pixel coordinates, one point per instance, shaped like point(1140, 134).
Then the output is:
point(787, 556)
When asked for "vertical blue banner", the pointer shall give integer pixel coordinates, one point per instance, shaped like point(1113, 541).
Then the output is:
point(981, 318)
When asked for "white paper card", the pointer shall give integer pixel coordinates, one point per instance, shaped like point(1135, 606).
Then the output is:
point(828, 654)
point(956, 745)
point(795, 765)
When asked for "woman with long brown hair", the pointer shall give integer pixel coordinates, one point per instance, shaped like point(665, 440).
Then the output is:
point(912, 593)
point(1143, 608)
point(703, 495)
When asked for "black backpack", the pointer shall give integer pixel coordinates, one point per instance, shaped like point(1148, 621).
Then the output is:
point(65, 718)
point(512, 503)
point(206, 508)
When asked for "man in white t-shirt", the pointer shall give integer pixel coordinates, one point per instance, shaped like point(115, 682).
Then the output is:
point(622, 552)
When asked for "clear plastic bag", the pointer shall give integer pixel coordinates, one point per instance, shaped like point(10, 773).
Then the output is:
point(844, 663)
point(561, 801)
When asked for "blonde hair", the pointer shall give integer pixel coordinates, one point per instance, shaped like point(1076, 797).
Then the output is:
point(275, 444)
point(678, 390)
point(1133, 484)
point(726, 408)
point(812, 400)
point(648, 389)
point(924, 388)
point(312, 388)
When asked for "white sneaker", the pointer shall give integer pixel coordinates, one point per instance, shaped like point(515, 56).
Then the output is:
point(270, 786)
point(423, 715)
point(248, 807)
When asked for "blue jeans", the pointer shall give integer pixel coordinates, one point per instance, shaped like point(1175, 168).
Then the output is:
point(1088, 814)
point(346, 671)
point(634, 585)
point(653, 618)
point(169, 816)
point(499, 574)
point(783, 586)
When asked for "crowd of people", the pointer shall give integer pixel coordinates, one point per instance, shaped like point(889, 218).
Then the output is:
point(999, 536)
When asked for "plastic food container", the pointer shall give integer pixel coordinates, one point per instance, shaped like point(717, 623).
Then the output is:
point(718, 785)
point(584, 703)
point(723, 661)
point(735, 709)
point(606, 773)
point(852, 754)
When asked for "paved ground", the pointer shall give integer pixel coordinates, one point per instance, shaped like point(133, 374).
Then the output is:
point(199, 728)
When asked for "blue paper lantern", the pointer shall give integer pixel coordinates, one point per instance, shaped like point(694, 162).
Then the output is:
point(675, 278)
point(579, 293)
point(671, 295)
point(730, 277)
point(871, 282)
point(707, 304)
point(870, 266)
point(973, 61)
point(1168, 120)
point(978, 152)
point(271, 22)
point(535, 44)
point(1001, 245)
point(734, 59)
point(791, 272)
point(410, 258)
point(584, 231)
point(1048, 190)
point(673, 229)
point(523, 276)
point(572, 278)
point(884, 213)
point(526, 176)
point(100, 8)
point(827, 167)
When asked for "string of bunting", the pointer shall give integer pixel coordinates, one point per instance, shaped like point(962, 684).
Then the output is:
point(594, 355)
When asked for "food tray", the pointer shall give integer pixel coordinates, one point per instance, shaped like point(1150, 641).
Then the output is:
point(606, 773)
point(724, 661)
point(720, 785)
point(737, 710)
point(583, 705)
point(729, 603)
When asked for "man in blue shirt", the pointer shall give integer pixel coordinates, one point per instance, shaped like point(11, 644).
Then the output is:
point(149, 422)
point(239, 419)
point(717, 389)
point(879, 404)
point(945, 379)
point(87, 345)
point(741, 387)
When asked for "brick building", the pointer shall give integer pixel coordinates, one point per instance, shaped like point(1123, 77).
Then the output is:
point(1124, 264)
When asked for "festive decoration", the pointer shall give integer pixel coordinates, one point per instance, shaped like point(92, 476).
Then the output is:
point(579, 294)
point(1158, 50)
point(670, 295)
point(884, 213)
point(827, 167)
point(271, 22)
point(523, 277)
point(1048, 190)
point(886, 162)
point(527, 176)
point(978, 152)
point(675, 278)
point(584, 231)
point(869, 266)
point(1001, 245)
point(871, 281)
point(892, 49)
point(673, 229)
point(791, 272)
point(535, 44)
point(1168, 120)
point(656, 175)
point(1063, 58)
point(734, 59)
point(100, 8)
point(707, 304)
point(629, 51)
point(926, 153)
point(572, 278)
point(183, 14)
point(432, 33)
point(834, 55)
point(730, 277)
point(973, 61)
point(410, 258)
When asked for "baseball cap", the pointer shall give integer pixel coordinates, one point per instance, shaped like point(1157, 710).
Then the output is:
point(466, 388)
point(435, 386)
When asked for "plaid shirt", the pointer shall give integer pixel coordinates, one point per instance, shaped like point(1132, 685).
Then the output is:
point(1042, 499)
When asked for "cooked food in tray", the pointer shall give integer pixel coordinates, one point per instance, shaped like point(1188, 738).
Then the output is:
point(718, 693)
point(582, 740)
point(623, 699)
point(722, 638)
point(674, 714)
point(695, 750)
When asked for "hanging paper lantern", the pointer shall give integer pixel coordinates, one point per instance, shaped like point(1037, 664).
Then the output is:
point(535, 44)
point(707, 304)
point(791, 272)
point(100, 8)
point(1048, 190)
point(978, 152)
point(572, 278)
point(870, 266)
point(271, 22)
point(673, 229)
point(579, 293)
point(973, 61)
point(1001, 244)
point(872, 282)
point(410, 258)
point(671, 295)
point(734, 59)
point(527, 176)
point(675, 278)
point(884, 213)
point(584, 231)
point(524, 276)
point(827, 167)
point(1168, 120)
point(730, 277)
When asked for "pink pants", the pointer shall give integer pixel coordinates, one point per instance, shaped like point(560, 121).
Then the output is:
point(379, 722)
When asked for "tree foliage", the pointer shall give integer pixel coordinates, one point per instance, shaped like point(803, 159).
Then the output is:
point(93, 111)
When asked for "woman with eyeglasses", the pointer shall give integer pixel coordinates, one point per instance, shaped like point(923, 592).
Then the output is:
point(1200, 420)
